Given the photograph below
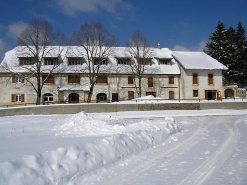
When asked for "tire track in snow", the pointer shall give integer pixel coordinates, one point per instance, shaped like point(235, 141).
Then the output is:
point(151, 163)
point(203, 172)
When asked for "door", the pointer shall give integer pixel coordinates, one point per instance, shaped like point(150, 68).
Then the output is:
point(74, 98)
point(171, 95)
point(130, 95)
point(210, 94)
point(114, 97)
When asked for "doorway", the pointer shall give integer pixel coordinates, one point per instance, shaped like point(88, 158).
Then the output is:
point(74, 98)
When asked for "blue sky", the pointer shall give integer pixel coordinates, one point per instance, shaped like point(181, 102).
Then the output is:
point(177, 24)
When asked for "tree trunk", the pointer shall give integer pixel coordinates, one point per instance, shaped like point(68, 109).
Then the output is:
point(90, 94)
point(140, 87)
point(38, 97)
point(38, 91)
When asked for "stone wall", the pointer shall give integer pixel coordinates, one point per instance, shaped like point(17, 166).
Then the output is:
point(91, 108)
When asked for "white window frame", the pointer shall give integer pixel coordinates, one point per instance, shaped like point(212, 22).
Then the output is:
point(18, 98)
point(17, 79)
point(49, 97)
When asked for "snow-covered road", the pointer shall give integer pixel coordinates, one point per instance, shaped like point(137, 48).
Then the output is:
point(213, 152)
point(128, 148)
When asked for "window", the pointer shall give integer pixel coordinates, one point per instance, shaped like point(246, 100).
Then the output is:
point(74, 79)
point(195, 79)
point(17, 79)
point(18, 97)
point(26, 61)
point(210, 79)
point(195, 93)
point(51, 61)
point(75, 61)
point(123, 61)
point(151, 93)
point(145, 61)
point(150, 82)
point(48, 80)
point(171, 95)
point(165, 62)
point(101, 79)
point(99, 61)
point(130, 80)
point(48, 97)
point(130, 95)
point(101, 97)
point(171, 79)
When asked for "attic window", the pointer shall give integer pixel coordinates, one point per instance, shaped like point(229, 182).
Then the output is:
point(123, 61)
point(165, 61)
point(51, 61)
point(145, 61)
point(26, 61)
point(99, 61)
point(75, 61)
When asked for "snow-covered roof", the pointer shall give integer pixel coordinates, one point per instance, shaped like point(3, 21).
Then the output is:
point(197, 60)
point(11, 61)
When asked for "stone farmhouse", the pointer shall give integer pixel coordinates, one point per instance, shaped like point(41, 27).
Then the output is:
point(168, 75)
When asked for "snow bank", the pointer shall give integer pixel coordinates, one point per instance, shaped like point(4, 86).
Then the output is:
point(59, 166)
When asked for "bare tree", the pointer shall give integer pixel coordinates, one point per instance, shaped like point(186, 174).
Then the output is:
point(140, 49)
point(39, 46)
point(95, 44)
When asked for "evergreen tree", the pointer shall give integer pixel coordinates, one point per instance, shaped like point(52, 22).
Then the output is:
point(230, 59)
point(216, 48)
point(241, 53)
point(229, 46)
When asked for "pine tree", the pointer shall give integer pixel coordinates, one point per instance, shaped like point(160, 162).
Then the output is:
point(217, 45)
point(241, 53)
point(229, 46)
point(231, 57)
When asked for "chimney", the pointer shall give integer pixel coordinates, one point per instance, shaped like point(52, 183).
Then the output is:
point(158, 46)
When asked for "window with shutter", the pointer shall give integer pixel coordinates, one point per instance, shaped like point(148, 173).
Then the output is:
point(74, 79)
point(150, 82)
point(195, 79)
point(171, 79)
point(49, 80)
point(130, 80)
point(101, 79)
point(210, 79)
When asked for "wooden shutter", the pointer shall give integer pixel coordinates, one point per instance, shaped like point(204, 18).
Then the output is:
point(22, 80)
point(49, 80)
point(13, 97)
point(195, 79)
point(101, 79)
point(22, 97)
point(171, 79)
point(150, 82)
point(13, 79)
point(210, 79)
point(130, 95)
point(74, 79)
point(130, 80)
point(171, 95)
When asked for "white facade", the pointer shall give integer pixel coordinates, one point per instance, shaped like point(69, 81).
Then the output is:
point(169, 80)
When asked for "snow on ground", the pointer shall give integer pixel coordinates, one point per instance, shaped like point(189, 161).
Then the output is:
point(64, 149)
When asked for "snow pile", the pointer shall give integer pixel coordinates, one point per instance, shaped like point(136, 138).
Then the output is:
point(59, 166)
